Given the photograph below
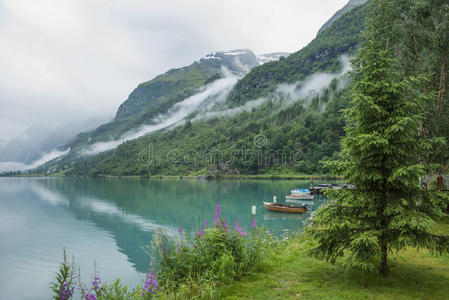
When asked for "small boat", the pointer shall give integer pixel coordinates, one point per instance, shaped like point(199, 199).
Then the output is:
point(299, 197)
point(285, 208)
point(300, 192)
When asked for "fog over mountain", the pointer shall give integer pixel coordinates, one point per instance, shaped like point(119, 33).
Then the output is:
point(68, 61)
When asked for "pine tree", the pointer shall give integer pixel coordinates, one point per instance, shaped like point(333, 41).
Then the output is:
point(382, 155)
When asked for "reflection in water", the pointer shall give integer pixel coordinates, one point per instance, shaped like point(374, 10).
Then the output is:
point(87, 215)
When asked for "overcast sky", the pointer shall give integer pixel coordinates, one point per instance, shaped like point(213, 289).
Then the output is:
point(69, 60)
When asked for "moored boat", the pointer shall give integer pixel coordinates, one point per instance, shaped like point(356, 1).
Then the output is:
point(299, 197)
point(300, 192)
point(285, 208)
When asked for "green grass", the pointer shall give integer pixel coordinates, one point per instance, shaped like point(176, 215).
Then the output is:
point(441, 227)
point(291, 274)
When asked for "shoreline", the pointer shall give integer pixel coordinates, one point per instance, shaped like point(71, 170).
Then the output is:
point(195, 177)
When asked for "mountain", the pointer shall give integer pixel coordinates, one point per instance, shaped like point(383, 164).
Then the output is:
point(154, 99)
point(181, 82)
point(227, 104)
point(321, 55)
point(350, 5)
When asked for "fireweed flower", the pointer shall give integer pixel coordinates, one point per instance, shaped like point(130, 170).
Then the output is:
point(217, 220)
point(151, 286)
point(254, 224)
point(237, 228)
point(66, 292)
point(91, 297)
point(225, 226)
point(217, 209)
point(180, 230)
point(243, 233)
point(96, 283)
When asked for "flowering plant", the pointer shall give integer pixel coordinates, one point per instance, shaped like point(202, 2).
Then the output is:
point(217, 253)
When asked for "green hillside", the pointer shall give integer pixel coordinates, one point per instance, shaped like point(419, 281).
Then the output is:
point(298, 131)
point(321, 55)
point(293, 140)
point(156, 96)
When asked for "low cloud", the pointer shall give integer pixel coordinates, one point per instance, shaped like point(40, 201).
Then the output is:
point(69, 60)
point(213, 92)
point(16, 166)
point(313, 85)
point(287, 93)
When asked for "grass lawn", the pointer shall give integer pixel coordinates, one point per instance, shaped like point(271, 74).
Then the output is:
point(290, 274)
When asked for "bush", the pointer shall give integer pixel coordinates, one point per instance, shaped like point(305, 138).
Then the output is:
point(189, 265)
point(218, 254)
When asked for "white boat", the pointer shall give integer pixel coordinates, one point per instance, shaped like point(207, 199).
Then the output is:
point(300, 192)
point(299, 197)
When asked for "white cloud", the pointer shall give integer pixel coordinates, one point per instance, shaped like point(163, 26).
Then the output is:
point(215, 91)
point(16, 166)
point(287, 93)
point(68, 60)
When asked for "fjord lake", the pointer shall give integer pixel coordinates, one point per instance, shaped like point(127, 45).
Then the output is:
point(108, 222)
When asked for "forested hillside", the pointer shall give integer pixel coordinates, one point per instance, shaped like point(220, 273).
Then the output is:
point(293, 140)
point(321, 55)
point(293, 105)
point(158, 95)
point(282, 117)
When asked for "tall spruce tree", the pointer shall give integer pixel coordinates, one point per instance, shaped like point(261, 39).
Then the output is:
point(382, 155)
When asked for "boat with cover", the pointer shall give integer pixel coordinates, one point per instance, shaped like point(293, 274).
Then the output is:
point(300, 194)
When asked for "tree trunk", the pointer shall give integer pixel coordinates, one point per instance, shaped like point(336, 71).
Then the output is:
point(384, 258)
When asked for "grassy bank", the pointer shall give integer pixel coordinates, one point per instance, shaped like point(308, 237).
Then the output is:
point(290, 274)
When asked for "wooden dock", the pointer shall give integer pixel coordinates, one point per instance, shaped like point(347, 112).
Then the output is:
point(318, 189)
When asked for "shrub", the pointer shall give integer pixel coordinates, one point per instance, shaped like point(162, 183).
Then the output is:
point(218, 254)
point(189, 265)
point(64, 285)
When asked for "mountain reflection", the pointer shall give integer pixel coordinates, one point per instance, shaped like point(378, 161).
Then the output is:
point(132, 211)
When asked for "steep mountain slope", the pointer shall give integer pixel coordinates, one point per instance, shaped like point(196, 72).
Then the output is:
point(293, 106)
point(259, 141)
point(350, 5)
point(321, 55)
point(149, 94)
point(156, 97)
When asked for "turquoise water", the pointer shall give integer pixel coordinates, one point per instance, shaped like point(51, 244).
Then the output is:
point(110, 220)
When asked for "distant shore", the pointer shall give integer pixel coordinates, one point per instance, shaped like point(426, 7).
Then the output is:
point(202, 177)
